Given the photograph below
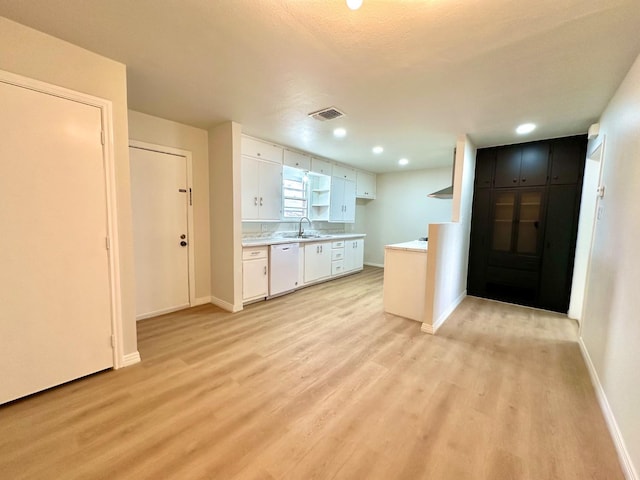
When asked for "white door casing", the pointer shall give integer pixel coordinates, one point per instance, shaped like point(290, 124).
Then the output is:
point(162, 210)
point(60, 317)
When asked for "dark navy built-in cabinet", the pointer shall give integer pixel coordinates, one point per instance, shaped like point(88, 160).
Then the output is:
point(525, 220)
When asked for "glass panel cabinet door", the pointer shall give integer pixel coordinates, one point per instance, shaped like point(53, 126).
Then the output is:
point(529, 222)
point(504, 208)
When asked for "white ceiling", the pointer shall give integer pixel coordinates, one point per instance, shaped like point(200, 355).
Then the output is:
point(410, 74)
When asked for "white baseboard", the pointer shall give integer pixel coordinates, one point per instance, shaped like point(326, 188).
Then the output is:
point(432, 329)
point(447, 313)
point(130, 359)
point(426, 328)
point(628, 468)
point(379, 265)
point(200, 301)
point(229, 307)
point(162, 312)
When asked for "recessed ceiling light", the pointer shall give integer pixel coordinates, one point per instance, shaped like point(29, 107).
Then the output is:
point(525, 128)
point(403, 161)
point(339, 132)
point(354, 4)
point(377, 149)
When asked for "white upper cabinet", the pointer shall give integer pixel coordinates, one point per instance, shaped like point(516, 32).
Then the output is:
point(297, 160)
point(320, 166)
point(365, 185)
point(262, 150)
point(342, 201)
point(261, 190)
point(346, 173)
point(261, 180)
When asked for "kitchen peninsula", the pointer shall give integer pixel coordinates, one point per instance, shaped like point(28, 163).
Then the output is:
point(405, 279)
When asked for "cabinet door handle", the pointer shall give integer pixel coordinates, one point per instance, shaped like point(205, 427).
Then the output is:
point(265, 269)
point(260, 201)
point(255, 201)
point(524, 180)
point(515, 180)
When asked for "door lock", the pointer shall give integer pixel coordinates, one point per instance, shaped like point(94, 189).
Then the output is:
point(183, 236)
point(183, 243)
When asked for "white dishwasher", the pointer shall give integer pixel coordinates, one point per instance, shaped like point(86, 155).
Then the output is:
point(283, 268)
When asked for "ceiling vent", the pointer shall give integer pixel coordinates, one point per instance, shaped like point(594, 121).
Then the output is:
point(327, 114)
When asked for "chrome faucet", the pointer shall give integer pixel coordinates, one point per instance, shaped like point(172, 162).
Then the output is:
point(300, 231)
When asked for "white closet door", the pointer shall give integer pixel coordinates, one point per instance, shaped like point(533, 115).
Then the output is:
point(159, 200)
point(55, 317)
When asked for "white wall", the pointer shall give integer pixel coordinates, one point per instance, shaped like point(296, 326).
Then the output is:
point(150, 129)
point(402, 211)
point(611, 322)
point(225, 215)
point(33, 54)
point(448, 252)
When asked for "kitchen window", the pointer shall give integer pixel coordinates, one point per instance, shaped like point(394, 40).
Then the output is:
point(294, 192)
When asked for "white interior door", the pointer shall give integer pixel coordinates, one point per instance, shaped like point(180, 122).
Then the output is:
point(160, 198)
point(55, 297)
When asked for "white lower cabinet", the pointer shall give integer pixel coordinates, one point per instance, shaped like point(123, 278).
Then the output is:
point(353, 255)
point(337, 258)
point(317, 261)
point(255, 273)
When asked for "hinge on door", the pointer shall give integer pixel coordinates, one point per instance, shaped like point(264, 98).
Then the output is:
point(107, 243)
point(102, 137)
point(113, 341)
point(190, 197)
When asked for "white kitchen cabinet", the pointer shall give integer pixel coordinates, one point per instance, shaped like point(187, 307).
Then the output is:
point(353, 255)
point(344, 172)
point(255, 273)
point(337, 258)
point(297, 160)
point(320, 166)
point(255, 148)
point(342, 201)
point(261, 190)
point(365, 185)
point(317, 261)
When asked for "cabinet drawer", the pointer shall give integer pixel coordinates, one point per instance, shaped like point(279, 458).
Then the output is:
point(297, 160)
point(337, 267)
point(337, 254)
point(338, 244)
point(262, 150)
point(254, 252)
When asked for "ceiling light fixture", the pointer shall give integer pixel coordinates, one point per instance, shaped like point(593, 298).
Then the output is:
point(377, 149)
point(525, 128)
point(403, 161)
point(339, 133)
point(354, 4)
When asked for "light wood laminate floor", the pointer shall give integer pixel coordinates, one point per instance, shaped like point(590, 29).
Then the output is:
point(321, 384)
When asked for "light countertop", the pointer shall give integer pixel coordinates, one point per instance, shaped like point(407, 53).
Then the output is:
point(413, 246)
point(261, 242)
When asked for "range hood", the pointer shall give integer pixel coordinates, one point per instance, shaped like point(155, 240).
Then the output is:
point(446, 192)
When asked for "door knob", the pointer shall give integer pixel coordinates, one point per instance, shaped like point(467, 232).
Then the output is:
point(183, 236)
point(183, 243)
